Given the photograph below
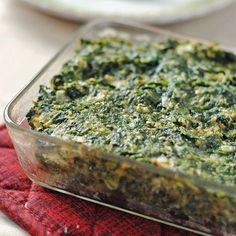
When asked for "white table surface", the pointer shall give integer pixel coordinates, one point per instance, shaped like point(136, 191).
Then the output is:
point(28, 39)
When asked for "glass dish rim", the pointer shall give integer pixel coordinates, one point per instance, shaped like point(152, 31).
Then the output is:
point(196, 180)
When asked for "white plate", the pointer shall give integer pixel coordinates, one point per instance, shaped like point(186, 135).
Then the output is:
point(155, 11)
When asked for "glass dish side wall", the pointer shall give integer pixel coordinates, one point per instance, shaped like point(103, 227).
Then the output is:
point(130, 185)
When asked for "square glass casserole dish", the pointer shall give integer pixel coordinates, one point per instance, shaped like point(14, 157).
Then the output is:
point(156, 193)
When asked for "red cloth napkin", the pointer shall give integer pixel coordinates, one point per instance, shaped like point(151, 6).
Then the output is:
point(44, 212)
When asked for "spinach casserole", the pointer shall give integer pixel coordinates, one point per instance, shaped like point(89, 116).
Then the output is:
point(153, 106)
point(170, 104)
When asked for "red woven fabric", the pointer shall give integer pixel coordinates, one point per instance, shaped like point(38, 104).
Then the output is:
point(44, 212)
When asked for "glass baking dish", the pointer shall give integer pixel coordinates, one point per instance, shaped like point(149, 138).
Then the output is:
point(152, 192)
